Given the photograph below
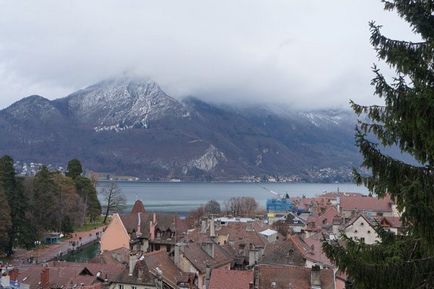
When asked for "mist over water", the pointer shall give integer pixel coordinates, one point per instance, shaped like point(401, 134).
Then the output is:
point(183, 197)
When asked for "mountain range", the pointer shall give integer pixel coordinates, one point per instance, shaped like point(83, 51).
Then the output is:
point(132, 127)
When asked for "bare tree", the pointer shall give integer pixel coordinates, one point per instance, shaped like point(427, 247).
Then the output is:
point(113, 198)
point(193, 218)
point(241, 206)
point(212, 207)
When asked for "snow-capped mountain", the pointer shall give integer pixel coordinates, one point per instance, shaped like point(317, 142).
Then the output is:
point(120, 104)
point(131, 126)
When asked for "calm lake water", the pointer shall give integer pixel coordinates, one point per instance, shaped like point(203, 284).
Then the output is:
point(183, 197)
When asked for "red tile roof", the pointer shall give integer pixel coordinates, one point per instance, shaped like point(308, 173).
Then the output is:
point(318, 221)
point(370, 221)
point(393, 222)
point(67, 274)
point(159, 261)
point(165, 221)
point(288, 276)
point(366, 203)
point(241, 233)
point(282, 252)
point(230, 279)
point(117, 256)
point(311, 249)
point(200, 259)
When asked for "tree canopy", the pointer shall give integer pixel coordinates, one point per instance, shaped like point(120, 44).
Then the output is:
point(49, 201)
point(74, 169)
point(405, 120)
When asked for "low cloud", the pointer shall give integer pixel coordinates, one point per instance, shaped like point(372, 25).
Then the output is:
point(309, 53)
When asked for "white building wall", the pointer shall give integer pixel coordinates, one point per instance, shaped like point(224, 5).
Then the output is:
point(362, 230)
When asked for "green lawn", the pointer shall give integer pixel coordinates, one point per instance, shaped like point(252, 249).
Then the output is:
point(91, 225)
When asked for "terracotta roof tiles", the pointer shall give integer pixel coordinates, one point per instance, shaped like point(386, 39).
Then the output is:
point(366, 203)
point(287, 276)
point(230, 279)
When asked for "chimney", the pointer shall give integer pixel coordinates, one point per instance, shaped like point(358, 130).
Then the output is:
point(151, 230)
point(132, 263)
point(207, 275)
point(154, 218)
point(315, 274)
point(179, 248)
point(249, 227)
point(208, 247)
point(203, 226)
point(253, 253)
point(211, 228)
point(139, 223)
point(13, 274)
point(140, 273)
point(45, 278)
point(218, 225)
point(338, 204)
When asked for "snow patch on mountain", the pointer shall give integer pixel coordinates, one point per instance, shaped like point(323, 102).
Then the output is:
point(209, 160)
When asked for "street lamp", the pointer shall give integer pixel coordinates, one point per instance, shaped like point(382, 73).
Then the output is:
point(37, 244)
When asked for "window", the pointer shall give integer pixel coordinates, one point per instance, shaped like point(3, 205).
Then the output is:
point(362, 240)
point(361, 224)
point(121, 286)
point(355, 231)
point(133, 287)
point(369, 232)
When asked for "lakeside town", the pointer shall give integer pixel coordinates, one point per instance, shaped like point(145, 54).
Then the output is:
point(315, 175)
point(140, 142)
point(243, 248)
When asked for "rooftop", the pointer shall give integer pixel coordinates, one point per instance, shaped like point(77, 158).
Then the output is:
point(230, 279)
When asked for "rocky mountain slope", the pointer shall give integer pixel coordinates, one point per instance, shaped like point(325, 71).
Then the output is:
point(132, 127)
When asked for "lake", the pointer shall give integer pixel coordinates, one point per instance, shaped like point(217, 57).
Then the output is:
point(183, 197)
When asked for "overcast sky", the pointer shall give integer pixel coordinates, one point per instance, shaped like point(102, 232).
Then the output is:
point(304, 53)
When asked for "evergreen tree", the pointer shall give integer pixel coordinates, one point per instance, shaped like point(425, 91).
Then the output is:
point(407, 121)
point(67, 227)
point(46, 201)
point(8, 185)
point(5, 222)
point(7, 176)
point(88, 193)
point(24, 227)
point(74, 169)
point(20, 231)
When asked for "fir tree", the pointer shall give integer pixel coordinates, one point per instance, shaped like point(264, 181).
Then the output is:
point(407, 121)
point(25, 233)
point(74, 169)
point(88, 194)
point(8, 186)
point(46, 201)
point(5, 222)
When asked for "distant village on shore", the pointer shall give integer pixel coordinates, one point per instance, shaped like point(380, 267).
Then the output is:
point(315, 175)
